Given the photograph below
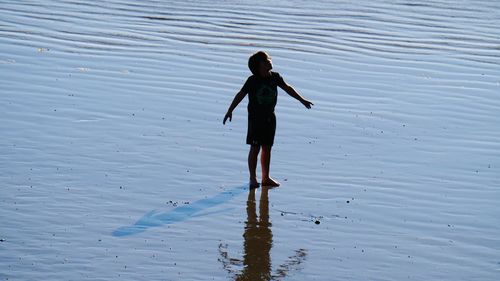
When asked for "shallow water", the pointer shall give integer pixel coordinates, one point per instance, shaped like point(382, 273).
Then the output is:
point(111, 110)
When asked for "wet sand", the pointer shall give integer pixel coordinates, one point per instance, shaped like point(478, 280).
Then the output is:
point(115, 164)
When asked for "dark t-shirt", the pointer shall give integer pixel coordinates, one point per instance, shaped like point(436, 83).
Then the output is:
point(262, 93)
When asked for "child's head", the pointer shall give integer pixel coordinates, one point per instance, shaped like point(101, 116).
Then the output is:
point(259, 62)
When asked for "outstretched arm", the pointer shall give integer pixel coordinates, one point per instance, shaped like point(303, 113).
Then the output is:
point(237, 99)
point(291, 91)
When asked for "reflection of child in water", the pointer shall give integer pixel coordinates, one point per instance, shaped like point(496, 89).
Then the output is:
point(257, 245)
point(262, 91)
point(258, 240)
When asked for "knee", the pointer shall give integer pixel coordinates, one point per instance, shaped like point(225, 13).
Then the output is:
point(254, 149)
point(266, 148)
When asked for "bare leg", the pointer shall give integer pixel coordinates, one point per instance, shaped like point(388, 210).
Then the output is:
point(252, 164)
point(265, 161)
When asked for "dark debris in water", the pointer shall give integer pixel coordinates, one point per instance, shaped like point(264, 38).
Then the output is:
point(309, 218)
point(176, 203)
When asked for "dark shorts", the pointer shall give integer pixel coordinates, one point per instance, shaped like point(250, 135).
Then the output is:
point(261, 129)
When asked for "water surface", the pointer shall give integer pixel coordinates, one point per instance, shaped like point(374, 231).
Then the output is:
point(112, 109)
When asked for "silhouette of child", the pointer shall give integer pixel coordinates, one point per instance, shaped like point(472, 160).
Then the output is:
point(262, 91)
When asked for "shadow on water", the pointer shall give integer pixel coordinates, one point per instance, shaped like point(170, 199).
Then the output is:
point(178, 214)
point(258, 240)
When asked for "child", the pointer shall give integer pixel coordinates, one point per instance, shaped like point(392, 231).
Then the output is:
point(262, 91)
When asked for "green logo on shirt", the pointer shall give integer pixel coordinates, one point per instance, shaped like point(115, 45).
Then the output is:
point(266, 95)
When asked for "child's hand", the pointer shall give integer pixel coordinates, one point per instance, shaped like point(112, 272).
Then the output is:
point(228, 115)
point(306, 103)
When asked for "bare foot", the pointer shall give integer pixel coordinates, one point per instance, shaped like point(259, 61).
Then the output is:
point(253, 183)
point(270, 182)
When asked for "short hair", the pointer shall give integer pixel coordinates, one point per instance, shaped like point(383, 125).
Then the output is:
point(255, 59)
